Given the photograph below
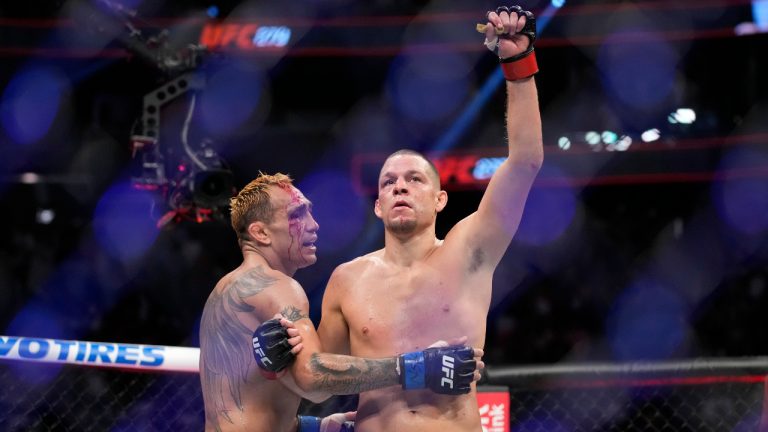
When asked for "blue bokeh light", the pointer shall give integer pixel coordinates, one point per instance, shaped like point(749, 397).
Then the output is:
point(79, 292)
point(122, 222)
point(231, 96)
point(743, 202)
point(423, 96)
point(648, 321)
point(30, 102)
point(36, 320)
point(549, 211)
point(760, 13)
point(639, 74)
point(337, 207)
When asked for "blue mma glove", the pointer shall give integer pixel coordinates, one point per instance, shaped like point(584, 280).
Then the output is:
point(309, 424)
point(271, 348)
point(444, 370)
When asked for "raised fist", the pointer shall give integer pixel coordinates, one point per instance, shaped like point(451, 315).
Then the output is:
point(510, 31)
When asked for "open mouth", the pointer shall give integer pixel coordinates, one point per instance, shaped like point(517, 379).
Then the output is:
point(401, 204)
point(308, 244)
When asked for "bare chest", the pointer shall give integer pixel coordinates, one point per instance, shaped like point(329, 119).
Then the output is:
point(391, 312)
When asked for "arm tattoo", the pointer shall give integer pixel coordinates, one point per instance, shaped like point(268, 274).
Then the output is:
point(292, 313)
point(340, 374)
point(225, 343)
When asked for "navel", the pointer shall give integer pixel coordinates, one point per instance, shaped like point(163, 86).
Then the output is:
point(365, 330)
point(446, 308)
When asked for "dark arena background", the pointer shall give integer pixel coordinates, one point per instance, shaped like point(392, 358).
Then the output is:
point(633, 296)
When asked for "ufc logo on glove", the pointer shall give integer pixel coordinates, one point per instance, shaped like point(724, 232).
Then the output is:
point(260, 352)
point(447, 372)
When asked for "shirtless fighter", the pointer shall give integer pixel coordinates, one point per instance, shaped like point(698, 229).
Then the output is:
point(419, 288)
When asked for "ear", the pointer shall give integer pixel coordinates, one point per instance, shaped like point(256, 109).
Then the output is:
point(442, 200)
point(259, 233)
point(377, 208)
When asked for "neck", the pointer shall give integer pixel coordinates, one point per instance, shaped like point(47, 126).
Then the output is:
point(405, 250)
point(255, 255)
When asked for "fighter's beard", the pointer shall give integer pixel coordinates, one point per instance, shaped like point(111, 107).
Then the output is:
point(399, 226)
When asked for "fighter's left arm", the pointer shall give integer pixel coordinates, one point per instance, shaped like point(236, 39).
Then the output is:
point(491, 228)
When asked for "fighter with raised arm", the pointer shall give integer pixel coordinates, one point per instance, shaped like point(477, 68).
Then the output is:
point(419, 288)
point(277, 234)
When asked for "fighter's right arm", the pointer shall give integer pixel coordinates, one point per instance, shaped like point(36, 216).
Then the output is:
point(321, 374)
point(441, 368)
point(315, 375)
point(326, 368)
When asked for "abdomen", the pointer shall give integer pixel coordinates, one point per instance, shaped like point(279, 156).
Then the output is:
point(393, 409)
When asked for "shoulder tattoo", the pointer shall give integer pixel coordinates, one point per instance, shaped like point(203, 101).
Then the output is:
point(226, 340)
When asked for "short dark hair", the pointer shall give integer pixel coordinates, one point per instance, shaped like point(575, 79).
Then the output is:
point(409, 152)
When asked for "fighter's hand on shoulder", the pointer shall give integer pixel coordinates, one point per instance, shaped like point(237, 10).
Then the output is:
point(275, 345)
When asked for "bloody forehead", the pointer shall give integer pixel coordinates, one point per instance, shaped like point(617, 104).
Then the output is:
point(295, 195)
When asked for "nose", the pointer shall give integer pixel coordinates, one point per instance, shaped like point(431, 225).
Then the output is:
point(312, 226)
point(401, 186)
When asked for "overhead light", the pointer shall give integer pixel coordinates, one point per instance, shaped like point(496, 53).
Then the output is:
point(650, 135)
point(44, 216)
point(623, 143)
point(592, 138)
point(564, 143)
point(682, 116)
point(609, 137)
point(29, 178)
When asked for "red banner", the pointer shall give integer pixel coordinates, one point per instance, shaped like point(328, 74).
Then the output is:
point(494, 410)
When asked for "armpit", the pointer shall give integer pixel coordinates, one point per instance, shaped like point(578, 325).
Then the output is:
point(476, 259)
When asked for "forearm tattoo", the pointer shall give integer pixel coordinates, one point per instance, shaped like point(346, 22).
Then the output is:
point(339, 374)
point(224, 342)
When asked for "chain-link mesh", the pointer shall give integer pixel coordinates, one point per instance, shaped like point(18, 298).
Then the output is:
point(35, 397)
point(730, 406)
